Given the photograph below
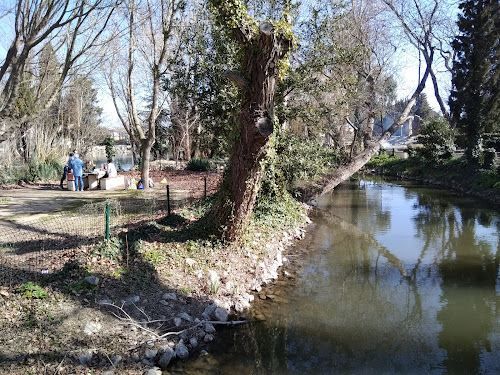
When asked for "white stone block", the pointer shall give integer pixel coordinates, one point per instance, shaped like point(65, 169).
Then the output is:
point(112, 183)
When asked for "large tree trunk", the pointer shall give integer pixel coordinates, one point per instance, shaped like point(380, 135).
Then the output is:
point(243, 178)
point(145, 157)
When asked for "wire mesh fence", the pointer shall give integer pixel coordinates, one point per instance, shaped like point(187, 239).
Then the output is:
point(39, 245)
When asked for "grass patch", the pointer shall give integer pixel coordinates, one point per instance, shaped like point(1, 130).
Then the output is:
point(154, 256)
point(31, 290)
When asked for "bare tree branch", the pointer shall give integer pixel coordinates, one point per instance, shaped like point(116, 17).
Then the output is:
point(36, 22)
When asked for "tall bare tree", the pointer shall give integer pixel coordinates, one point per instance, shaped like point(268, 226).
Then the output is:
point(429, 27)
point(341, 71)
point(75, 28)
point(418, 21)
point(151, 38)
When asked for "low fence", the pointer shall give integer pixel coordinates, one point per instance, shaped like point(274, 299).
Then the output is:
point(37, 245)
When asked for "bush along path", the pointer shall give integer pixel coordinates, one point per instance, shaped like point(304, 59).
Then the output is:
point(154, 294)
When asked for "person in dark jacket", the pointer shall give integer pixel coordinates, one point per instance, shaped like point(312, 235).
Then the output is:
point(66, 170)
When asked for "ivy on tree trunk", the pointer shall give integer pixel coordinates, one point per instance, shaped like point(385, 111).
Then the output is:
point(264, 49)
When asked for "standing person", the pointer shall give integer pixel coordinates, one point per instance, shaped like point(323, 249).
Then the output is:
point(110, 169)
point(66, 170)
point(77, 166)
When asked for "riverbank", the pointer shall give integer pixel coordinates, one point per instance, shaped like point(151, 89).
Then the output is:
point(455, 174)
point(156, 294)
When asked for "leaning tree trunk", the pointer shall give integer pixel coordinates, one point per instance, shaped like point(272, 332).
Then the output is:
point(242, 179)
point(343, 172)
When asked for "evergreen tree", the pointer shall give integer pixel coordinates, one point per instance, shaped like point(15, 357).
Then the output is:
point(204, 102)
point(423, 108)
point(81, 114)
point(475, 100)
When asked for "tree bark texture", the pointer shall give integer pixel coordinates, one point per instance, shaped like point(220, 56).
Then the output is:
point(243, 178)
point(367, 135)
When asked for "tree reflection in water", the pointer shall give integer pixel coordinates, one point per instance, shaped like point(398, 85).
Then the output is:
point(469, 269)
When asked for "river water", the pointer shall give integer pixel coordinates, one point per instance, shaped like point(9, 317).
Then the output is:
point(394, 279)
point(123, 161)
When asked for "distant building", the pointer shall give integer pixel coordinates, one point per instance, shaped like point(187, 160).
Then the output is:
point(411, 126)
point(118, 134)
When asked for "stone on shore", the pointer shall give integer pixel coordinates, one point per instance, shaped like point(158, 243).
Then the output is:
point(221, 314)
point(181, 351)
point(165, 358)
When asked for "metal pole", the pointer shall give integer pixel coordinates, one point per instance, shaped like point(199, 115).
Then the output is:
point(107, 221)
point(205, 191)
point(168, 200)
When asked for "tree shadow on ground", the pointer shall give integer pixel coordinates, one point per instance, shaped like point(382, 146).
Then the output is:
point(200, 229)
point(130, 292)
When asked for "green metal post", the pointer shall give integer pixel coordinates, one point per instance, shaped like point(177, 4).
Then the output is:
point(168, 200)
point(107, 221)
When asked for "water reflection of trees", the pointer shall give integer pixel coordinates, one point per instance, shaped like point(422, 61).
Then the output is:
point(466, 263)
point(468, 267)
point(374, 313)
point(352, 200)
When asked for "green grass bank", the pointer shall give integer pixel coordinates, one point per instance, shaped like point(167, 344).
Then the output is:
point(454, 173)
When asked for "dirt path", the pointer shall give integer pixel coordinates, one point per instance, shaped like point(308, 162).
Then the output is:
point(42, 199)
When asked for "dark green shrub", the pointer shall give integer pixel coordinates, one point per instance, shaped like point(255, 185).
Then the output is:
point(109, 146)
point(48, 169)
point(490, 160)
point(412, 151)
point(491, 140)
point(13, 174)
point(302, 160)
point(438, 140)
point(199, 165)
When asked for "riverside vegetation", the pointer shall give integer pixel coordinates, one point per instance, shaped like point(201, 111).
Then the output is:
point(480, 180)
point(158, 291)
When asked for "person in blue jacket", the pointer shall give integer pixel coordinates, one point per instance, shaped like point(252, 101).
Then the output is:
point(77, 165)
